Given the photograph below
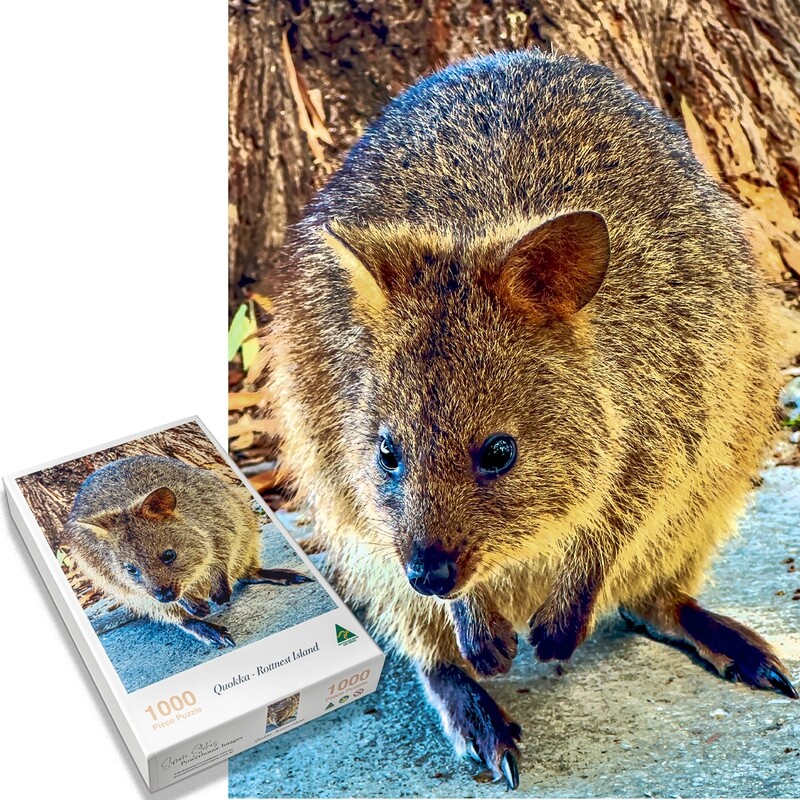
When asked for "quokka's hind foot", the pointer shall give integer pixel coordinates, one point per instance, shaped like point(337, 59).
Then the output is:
point(475, 724)
point(281, 577)
point(208, 632)
point(736, 652)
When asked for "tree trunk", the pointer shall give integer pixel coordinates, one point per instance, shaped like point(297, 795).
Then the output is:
point(727, 69)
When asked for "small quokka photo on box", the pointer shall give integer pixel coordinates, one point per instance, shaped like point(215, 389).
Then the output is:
point(169, 555)
point(282, 712)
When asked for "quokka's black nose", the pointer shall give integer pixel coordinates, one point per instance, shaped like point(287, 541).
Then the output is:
point(164, 594)
point(431, 570)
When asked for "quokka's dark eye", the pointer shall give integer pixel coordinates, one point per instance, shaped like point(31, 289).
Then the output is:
point(131, 570)
point(497, 455)
point(387, 456)
point(168, 556)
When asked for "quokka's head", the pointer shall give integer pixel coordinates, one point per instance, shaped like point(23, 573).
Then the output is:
point(467, 431)
point(149, 546)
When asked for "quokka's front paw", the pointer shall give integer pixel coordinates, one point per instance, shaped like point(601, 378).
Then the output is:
point(554, 637)
point(485, 638)
point(208, 632)
point(220, 590)
point(196, 607)
point(473, 721)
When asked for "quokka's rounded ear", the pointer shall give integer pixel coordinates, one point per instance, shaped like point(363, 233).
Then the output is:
point(557, 268)
point(368, 294)
point(159, 504)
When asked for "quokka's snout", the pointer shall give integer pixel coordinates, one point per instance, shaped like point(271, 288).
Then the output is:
point(432, 570)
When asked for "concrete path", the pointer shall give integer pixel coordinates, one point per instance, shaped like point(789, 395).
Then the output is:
point(628, 717)
point(144, 651)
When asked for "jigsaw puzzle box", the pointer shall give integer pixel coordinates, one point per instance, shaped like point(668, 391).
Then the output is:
point(205, 627)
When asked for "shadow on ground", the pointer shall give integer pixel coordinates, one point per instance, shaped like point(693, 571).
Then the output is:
point(144, 651)
point(628, 717)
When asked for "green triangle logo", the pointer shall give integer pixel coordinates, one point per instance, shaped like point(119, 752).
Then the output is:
point(344, 636)
point(330, 705)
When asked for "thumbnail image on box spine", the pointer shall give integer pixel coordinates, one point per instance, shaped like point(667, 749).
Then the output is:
point(282, 712)
point(160, 541)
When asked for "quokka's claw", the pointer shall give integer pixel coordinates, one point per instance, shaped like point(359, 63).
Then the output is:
point(477, 726)
point(486, 640)
point(472, 751)
point(738, 653)
point(221, 597)
point(197, 608)
point(555, 640)
point(208, 632)
point(510, 769)
point(780, 683)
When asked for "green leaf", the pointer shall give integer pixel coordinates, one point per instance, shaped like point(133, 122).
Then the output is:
point(240, 327)
point(792, 424)
point(250, 347)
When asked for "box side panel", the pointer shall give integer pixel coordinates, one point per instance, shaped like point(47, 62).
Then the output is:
point(276, 716)
point(73, 615)
point(229, 698)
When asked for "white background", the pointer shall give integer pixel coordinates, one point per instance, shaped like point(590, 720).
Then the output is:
point(113, 182)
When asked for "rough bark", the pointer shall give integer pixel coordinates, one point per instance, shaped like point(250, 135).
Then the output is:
point(727, 69)
point(730, 71)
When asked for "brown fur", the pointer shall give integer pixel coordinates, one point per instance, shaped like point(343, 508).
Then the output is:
point(641, 412)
